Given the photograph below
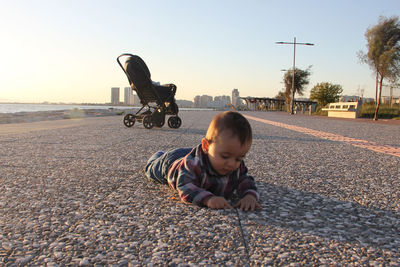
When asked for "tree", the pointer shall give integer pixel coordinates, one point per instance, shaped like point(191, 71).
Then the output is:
point(282, 95)
point(325, 93)
point(301, 79)
point(383, 53)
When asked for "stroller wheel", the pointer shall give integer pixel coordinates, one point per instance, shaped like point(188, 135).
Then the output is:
point(129, 120)
point(173, 109)
point(147, 122)
point(160, 123)
point(158, 118)
point(174, 122)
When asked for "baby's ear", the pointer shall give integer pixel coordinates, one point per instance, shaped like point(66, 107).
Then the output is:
point(204, 145)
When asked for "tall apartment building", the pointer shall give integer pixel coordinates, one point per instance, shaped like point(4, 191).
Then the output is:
point(205, 100)
point(196, 101)
point(235, 98)
point(128, 96)
point(136, 100)
point(115, 95)
point(225, 99)
point(221, 101)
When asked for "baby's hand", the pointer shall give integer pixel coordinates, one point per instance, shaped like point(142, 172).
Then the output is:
point(248, 203)
point(217, 203)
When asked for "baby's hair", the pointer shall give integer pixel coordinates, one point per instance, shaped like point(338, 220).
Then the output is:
point(231, 121)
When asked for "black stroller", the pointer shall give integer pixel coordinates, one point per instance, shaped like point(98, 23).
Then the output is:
point(162, 96)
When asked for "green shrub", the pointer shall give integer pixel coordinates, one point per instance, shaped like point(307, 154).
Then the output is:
point(76, 113)
point(385, 111)
point(320, 112)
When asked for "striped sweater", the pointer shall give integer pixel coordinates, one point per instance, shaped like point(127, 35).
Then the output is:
point(195, 180)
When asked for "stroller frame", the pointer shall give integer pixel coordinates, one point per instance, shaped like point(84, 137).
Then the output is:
point(162, 95)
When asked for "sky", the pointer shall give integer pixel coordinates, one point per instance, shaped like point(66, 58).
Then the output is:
point(66, 50)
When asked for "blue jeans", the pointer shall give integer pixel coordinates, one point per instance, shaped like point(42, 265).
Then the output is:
point(158, 165)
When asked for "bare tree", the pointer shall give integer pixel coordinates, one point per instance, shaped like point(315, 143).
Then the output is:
point(383, 54)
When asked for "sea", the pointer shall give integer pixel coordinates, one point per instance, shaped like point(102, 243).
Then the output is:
point(20, 107)
point(14, 108)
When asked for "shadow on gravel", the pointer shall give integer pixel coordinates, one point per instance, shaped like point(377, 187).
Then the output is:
point(182, 130)
point(285, 138)
point(255, 136)
point(326, 217)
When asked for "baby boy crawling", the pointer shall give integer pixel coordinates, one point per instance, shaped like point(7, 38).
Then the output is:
point(208, 174)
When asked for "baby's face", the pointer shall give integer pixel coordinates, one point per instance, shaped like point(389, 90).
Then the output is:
point(227, 153)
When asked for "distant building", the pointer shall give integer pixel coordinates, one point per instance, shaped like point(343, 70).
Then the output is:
point(184, 103)
point(128, 96)
point(115, 95)
point(136, 100)
point(389, 100)
point(221, 101)
point(236, 98)
point(196, 101)
point(348, 98)
point(205, 101)
point(224, 99)
point(302, 99)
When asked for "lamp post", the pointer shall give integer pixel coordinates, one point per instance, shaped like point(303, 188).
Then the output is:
point(294, 43)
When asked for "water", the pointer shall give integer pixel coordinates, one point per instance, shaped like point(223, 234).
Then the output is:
point(13, 108)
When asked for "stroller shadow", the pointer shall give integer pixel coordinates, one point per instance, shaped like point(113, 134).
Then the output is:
point(329, 218)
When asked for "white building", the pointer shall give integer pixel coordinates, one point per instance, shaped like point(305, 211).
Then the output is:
point(205, 101)
point(136, 100)
point(235, 98)
point(196, 101)
point(128, 96)
point(184, 103)
point(115, 95)
point(221, 101)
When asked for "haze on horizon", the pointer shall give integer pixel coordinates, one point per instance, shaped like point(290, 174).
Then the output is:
point(65, 51)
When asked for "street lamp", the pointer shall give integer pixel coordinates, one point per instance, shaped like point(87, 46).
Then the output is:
point(294, 64)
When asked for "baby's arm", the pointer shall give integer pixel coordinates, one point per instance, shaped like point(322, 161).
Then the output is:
point(187, 180)
point(247, 191)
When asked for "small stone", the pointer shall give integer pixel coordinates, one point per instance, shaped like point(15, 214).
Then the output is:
point(146, 243)
point(58, 255)
point(7, 246)
point(84, 262)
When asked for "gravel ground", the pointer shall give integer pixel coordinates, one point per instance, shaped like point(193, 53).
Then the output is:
point(24, 117)
point(78, 196)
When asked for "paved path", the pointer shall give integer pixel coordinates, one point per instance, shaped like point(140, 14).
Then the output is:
point(74, 193)
point(390, 150)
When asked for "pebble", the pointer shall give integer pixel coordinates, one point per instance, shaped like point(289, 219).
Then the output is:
point(84, 262)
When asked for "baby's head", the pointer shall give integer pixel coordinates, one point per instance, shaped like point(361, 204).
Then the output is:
point(227, 141)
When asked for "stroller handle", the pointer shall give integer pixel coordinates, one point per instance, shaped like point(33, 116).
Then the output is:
point(119, 62)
